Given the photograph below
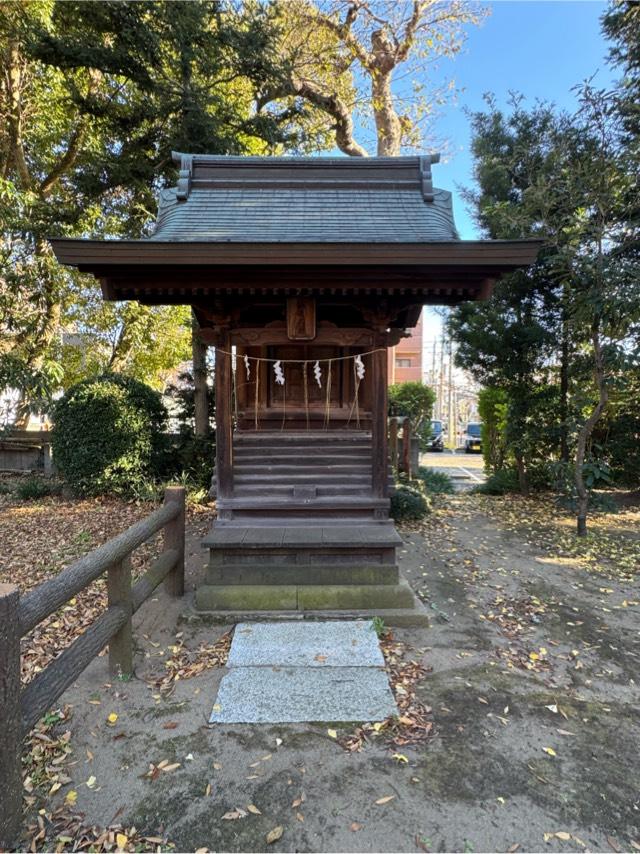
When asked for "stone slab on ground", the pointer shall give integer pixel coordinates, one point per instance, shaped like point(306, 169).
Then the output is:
point(327, 644)
point(296, 672)
point(303, 694)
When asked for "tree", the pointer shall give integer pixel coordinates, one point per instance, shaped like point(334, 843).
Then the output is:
point(567, 179)
point(412, 400)
point(342, 57)
point(94, 97)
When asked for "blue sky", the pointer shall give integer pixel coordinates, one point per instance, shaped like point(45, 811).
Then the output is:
point(541, 49)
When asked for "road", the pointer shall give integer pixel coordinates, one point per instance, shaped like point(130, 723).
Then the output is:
point(466, 470)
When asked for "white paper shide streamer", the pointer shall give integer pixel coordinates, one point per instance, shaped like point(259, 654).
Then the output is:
point(277, 369)
point(247, 366)
point(317, 372)
point(359, 367)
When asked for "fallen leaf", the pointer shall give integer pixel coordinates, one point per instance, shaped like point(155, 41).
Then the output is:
point(111, 719)
point(385, 800)
point(513, 848)
point(274, 834)
point(252, 808)
point(71, 797)
point(121, 840)
point(300, 817)
point(613, 843)
point(400, 757)
point(320, 657)
point(332, 733)
point(550, 751)
point(232, 815)
point(170, 725)
point(355, 826)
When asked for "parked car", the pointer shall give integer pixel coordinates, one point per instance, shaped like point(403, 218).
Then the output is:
point(435, 437)
point(473, 437)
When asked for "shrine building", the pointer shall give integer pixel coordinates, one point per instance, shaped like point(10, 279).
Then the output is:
point(302, 272)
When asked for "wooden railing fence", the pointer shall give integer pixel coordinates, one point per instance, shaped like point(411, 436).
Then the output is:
point(21, 708)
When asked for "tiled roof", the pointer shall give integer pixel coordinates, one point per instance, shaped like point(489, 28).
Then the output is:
point(304, 200)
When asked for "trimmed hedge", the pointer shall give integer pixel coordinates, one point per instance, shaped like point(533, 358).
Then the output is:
point(107, 435)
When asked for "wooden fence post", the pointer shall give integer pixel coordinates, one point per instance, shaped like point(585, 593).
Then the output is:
point(174, 539)
point(119, 593)
point(406, 448)
point(10, 715)
point(393, 442)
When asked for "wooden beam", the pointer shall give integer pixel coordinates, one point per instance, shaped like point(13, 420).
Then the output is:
point(224, 440)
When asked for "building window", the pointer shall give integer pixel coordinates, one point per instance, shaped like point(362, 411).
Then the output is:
point(403, 363)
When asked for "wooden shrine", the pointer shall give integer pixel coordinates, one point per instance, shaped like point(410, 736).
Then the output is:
point(302, 271)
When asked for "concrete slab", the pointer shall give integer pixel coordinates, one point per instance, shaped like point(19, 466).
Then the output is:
point(303, 694)
point(351, 643)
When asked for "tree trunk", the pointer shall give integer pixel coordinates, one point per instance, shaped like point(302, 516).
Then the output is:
point(388, 127)
point(200, 388)
point(564, 386)
point(587, 429)
point(523, 479)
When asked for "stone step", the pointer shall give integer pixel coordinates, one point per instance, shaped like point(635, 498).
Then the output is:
point(303, 597)
point(301, 573)
point(308, 538)
point(300, 644)
point(299, 694)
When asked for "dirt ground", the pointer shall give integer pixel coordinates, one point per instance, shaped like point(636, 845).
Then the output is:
point(533, 664)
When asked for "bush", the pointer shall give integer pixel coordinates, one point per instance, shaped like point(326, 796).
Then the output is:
point(435, 482)
point(408, 504)
point(33, 488)
point(499, 483)
point(412, 400)
point(108, 435)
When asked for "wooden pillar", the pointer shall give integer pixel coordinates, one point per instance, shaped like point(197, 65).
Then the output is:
point(11, 740)
point(379, 454)
point(119, 593)
point(173, 538)
point(224, 439)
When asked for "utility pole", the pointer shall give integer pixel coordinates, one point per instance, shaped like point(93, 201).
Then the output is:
point(452, 437)
point(441, 383)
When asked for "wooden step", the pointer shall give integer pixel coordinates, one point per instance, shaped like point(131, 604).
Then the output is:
point(302, 468)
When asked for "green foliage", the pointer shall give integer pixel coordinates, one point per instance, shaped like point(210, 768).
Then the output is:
point(499, 483)
point(378, 626)
point(412, 400)
point(107, 435)
point(189, 457)
point(435, 482)
point(408, 504)
point(33, 488)
point(492, 409)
